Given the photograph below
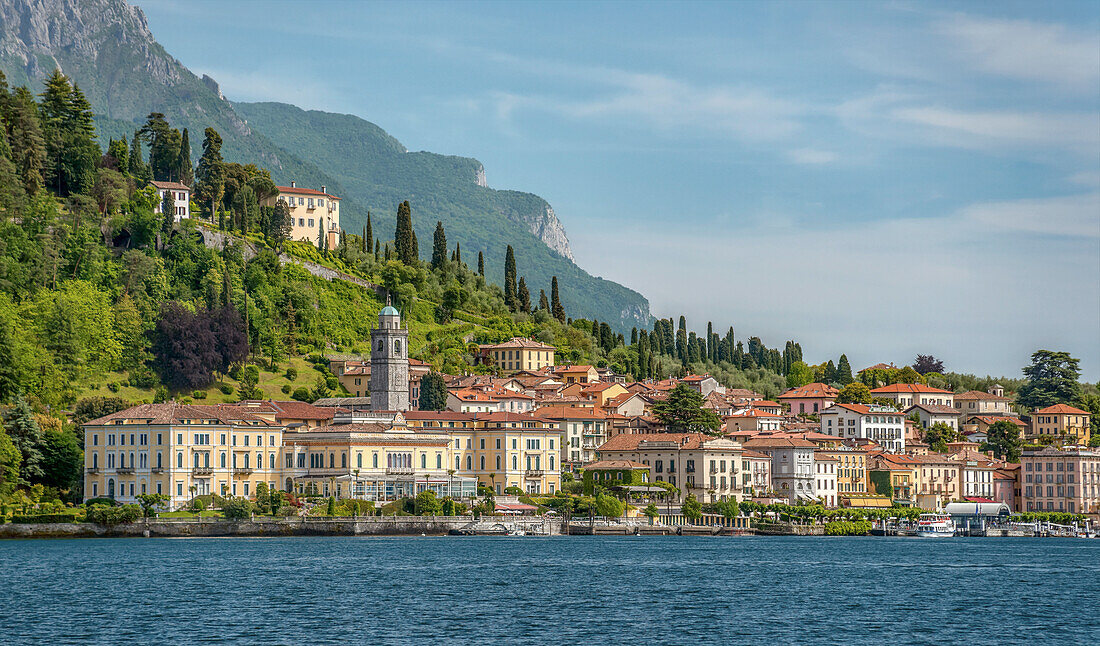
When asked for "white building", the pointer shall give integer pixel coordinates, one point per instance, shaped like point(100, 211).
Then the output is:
point(881, 424)
point(825, 472)
point(181, 198)
point(792, 467)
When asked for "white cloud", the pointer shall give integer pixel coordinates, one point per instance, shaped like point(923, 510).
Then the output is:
point(982, 128)
point(812, 156)
point(878, 291)
point(1028, 50)
point(1077, 215)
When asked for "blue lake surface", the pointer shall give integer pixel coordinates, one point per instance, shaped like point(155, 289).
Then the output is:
point(561, 590)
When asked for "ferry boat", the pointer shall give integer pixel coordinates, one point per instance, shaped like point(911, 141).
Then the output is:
point(935, 525)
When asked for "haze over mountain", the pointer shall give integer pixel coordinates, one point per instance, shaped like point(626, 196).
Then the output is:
point(106, 47)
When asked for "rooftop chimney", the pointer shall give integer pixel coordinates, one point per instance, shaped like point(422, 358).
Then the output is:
point(323, 189)
point(293, 184)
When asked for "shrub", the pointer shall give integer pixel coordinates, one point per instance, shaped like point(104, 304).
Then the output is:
point(291, 374)
point(198, 506)
point(113, 515)
point(237, 508)
point(143, 378)
point(45, 518)
point(103, 500)
point(287, 510)
point(848, 528)
point(513, 491)
point(113, 387)
point(198, 394)
point(226, 389)
point(286, 389)
point(303, 394)
point(160, 395)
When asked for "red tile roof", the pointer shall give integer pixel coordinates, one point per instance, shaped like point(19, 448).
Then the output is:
point(614, 464)
point(174, 413)
point(305, 191)
point(1061, 409)
point(171, 186)
point(769, 442)
point(631, 441)
point(977, 394)
point(811, 391)
point(909, 388)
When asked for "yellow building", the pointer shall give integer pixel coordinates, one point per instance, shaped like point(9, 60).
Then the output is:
point(312, 212)
point(519, 354)
point(180, 451)
point(1066, 424)
point(851, 469)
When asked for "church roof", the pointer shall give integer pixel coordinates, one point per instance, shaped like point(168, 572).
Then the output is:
point(389, 310)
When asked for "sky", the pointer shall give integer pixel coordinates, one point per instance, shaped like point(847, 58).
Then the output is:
point(875, 179)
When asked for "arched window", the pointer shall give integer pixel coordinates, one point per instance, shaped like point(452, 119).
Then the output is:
point(469, 463)
point(423, 460)
point(359, 460)
point(374, 460)
point(381, 347)
point(110, 487)
point(439, 460)
point(458, 462)
point(179, 460)
point(551, 463)
point(515, 463)
point(332, 460)
point(483, 463)
point(498, 463)
point(223, 460)
point(289, 485)
point(272, 461)
point(95, 460)
point(343, 460)
point(389, 460)
point(397, 347)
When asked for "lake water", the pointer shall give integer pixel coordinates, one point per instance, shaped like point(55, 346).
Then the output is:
point(575, 590)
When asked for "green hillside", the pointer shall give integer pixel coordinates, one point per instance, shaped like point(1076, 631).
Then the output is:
point(378, 173)
point(106, 47)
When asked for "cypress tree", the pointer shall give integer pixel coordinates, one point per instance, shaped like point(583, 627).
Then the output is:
point(186, 171)
point(711, 348)
point(633, 335)
point(544, 305)
point(844, 371)
point(524, 297)
point(830, 372)
point(510, 279)
point(681, 340)
point(458, 252)
point(363, 241)
point(136, 167)
point(555, 301)
point(403, 242)
point(377, 249)
point(369, 235)
point(480, 264)
point(439, 246)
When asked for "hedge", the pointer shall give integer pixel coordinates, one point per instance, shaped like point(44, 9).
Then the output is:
point(44, 518)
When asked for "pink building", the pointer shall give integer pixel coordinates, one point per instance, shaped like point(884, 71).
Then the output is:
point(811, 398)
point(1006, 486)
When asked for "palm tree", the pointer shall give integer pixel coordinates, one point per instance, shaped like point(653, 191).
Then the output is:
point(450, 482)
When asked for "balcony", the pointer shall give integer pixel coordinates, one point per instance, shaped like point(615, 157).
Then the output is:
point(400, 471)
point(533, 473)
point(157, 469)
point(202, 471)
point(124, 470)
point(242, 471)
point(92, 470)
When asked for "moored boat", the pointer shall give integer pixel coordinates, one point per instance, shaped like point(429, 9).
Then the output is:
point(935, 525)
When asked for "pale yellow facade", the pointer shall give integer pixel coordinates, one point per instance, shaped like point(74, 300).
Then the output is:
point(520, 354)
point(312, 212)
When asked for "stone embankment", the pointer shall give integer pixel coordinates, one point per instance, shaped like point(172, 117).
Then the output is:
point(363, 526)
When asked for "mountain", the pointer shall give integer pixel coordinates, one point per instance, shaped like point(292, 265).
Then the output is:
point(106, 47)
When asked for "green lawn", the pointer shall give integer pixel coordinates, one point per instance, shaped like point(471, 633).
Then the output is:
point(209, 513)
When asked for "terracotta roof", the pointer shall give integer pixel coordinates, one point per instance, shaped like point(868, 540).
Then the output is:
point(598, 387)
point(518, 342)
point(502, 416)
point(862, 409)
point(810, 391)
point(880, 366)
point(697, 377)
point(174, 413)
point(631, 441)
point(580, 368)
point(769, 442)
point(301, 410)
point(993, 419)
point(935, 408)
point(748, 453)
point(1061, 409)
point(615, 464)
point(305, 191)
point(171, 186)
point(977, 394)
point(909, 388)
point(765, 403)
point(567, 412)
point(752, 412)
point(449, 415)
point(467, 395)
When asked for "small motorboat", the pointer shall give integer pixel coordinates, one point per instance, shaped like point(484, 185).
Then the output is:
point(935, 526)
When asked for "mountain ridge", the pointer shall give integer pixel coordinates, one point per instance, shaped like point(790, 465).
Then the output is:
point(106, 47)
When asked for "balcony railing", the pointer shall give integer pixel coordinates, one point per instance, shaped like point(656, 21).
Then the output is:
point(533, 473)
point(124, 470)
point(400, 471)
point(157, 469)
point(202, 471)
point(242, 471)
point(92, 470)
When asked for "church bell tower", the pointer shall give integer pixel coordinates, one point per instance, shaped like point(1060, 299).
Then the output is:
point(389, 362)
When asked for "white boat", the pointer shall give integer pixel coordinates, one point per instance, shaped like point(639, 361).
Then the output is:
point(935, 525)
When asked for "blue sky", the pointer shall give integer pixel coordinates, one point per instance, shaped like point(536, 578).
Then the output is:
point(875, 179)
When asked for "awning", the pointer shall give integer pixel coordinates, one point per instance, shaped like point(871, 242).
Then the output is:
point(867, 502)
point(517, 507)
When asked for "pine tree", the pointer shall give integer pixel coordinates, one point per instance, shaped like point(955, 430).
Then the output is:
point(118, 149)
point(830, 372)
point(510, 279)
point(369, 236)
point(524, 297)
point(184, 168)
point(544, 305)
point(480, 264)
point(844, 371)
point(439, 246)
point(137, 167)
point(28, 146)
point(555, 301)
point(210, 175)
